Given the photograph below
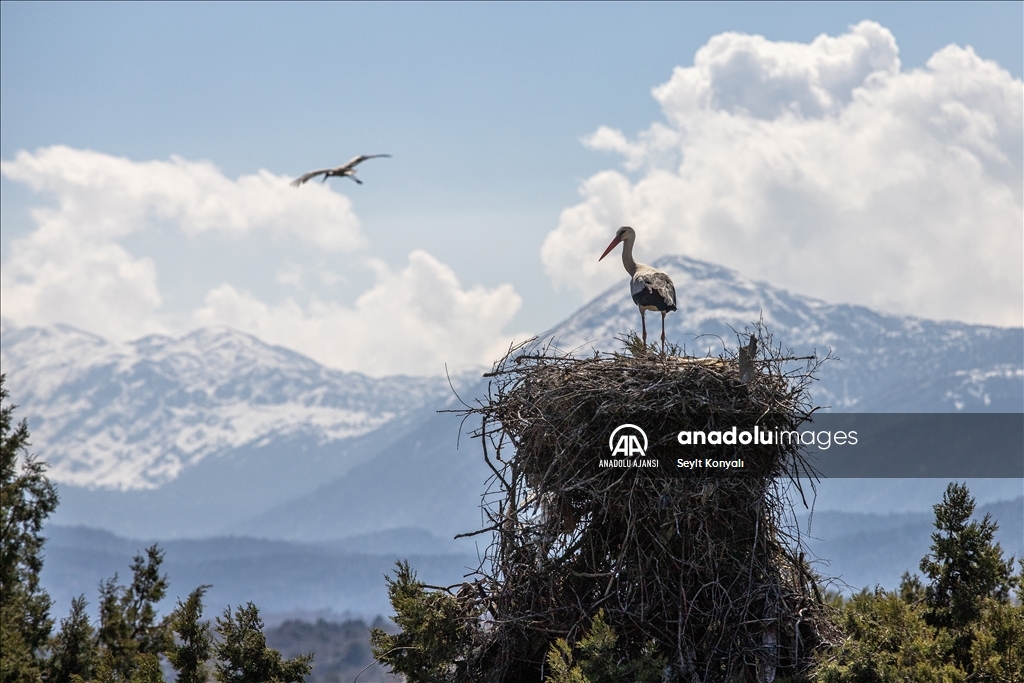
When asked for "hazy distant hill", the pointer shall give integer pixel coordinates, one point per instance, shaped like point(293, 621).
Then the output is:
point(280, 577)
point(418, 480)
point(342, 649)
point(347, 575)
point(867, 549)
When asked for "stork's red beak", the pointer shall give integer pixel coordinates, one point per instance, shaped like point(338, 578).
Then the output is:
point(610, 247)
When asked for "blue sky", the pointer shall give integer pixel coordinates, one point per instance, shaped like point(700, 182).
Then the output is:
point(484, 108)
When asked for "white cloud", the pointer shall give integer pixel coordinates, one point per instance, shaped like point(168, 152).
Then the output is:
point(413, 321)
point(73, 268)
point(289, 274)
point(64, 278)
point(825, 168)
point(105, 196)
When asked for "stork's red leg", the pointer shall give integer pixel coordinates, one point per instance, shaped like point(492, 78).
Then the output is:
point(663, 314)
point(643, 324)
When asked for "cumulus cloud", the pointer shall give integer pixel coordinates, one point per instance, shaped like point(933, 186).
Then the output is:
point(73, 268)
point(57, 276)
point(412, 321)
point(826, 168)
point(104, 196)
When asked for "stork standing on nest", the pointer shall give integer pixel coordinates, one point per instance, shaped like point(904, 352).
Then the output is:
point(652, 289)
point(346, 170)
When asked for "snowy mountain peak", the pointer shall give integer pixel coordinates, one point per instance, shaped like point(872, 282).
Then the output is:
point(887, 363)
point(134, 415)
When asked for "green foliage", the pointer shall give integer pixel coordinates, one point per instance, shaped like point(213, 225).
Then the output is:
point(600, 659)
point(436, 632)
point(105, 670)
point(143, 668)
point(888, 640)
point(244, 656)
point(911, 589)
point(997, 645)
point(127, 646)
point(130, 639)
point(965, 568)
point(27, 498)
point(437, 638)
point(146, 669)
point(128, 625)
point(73, 650)
point(190, 650)
point(561, 664)
point(960, 626)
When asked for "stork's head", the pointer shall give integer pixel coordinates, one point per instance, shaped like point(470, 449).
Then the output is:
point(623, 234)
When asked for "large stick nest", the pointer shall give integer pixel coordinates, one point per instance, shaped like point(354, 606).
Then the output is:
point(702, 564)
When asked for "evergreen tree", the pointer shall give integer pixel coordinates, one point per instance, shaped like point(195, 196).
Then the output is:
point(965, 568)
point(189, 653)
point(436, 632)
point(599, 659)
point(27, 498)
point(128, 624)
point(888, 640)
point(244, 656)
point(73, 649)
point(959, 626)
point(127, 645)
point(144, 668)
point(130, 638)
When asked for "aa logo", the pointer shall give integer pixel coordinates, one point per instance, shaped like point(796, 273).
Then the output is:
point(628, 441)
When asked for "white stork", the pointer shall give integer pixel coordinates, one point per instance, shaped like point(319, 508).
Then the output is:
point(652, 289)
point(346, 170)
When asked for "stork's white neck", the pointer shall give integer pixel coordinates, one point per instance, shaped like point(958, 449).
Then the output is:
point(627, 256)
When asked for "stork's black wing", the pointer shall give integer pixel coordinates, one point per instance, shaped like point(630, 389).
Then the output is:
point(355, 161)
point(309, 176)
point(654, 289)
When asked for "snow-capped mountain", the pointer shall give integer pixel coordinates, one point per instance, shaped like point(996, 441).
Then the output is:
point(136, 415)
point(887, 363)
point(217, 432)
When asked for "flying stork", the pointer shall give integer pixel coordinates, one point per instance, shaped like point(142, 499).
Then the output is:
point(346, 170)
point(652, 289)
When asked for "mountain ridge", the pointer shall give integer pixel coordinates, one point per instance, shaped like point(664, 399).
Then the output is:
point(886, 363)
point(135, 415)
point(217, 432)
point(857, 549)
